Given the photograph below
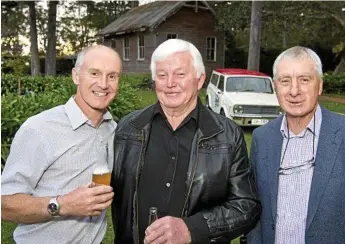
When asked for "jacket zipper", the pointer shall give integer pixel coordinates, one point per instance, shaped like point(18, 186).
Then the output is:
point(137, 182)
point(194, 169)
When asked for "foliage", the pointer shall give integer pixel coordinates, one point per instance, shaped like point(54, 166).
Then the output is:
point(334, 83)
point(13, 25)
point(33, 84)
point(43, 93)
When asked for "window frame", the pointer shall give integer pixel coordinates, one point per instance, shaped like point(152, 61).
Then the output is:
point(113, 41)
point(212, 49)
point(172, 34)
point(126, 48)
point(215, 75)
point(141, 48)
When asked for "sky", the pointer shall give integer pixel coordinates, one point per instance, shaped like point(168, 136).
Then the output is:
point(26, 41)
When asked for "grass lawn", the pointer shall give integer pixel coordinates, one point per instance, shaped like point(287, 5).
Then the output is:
point(149, 97)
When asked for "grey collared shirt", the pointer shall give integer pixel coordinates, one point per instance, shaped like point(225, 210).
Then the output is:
point(294, 189)
point(52, 154)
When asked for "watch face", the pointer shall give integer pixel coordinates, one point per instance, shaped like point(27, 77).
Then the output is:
point(52, 208)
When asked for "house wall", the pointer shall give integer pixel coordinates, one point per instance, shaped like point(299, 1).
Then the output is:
point(188, 25)
point(133, 65)
point(194, 27)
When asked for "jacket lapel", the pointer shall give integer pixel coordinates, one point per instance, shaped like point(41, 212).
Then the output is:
point(328, 147)
point(274, 152)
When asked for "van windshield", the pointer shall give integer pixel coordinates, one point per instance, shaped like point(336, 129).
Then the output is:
point(249, 84)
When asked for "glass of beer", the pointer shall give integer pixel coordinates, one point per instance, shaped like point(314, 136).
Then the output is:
point(101, 175)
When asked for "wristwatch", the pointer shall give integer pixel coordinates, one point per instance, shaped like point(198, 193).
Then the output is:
point(54, 207)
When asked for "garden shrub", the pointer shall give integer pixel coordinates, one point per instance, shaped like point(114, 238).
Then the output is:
point(334, 84)
point(43, 93)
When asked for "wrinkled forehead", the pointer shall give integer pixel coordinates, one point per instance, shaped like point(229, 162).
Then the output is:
point(102, 60)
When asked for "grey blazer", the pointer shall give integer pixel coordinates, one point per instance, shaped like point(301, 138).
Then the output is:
point(326, 210)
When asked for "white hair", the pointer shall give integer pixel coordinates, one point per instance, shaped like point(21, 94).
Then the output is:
point(300, 53)
point(172, 46)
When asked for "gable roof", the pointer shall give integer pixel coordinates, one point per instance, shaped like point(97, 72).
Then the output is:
point(145, 16)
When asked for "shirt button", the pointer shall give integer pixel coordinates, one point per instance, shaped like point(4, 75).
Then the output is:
point(167, 184)
point(173, 157)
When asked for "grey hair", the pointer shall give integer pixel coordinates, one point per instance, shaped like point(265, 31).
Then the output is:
point(172, 46)
point(80, 57)
point(300, 53)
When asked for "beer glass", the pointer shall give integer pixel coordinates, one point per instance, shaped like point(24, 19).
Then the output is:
point(101, 175)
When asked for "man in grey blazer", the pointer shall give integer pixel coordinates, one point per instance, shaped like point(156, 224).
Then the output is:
point(299, 159)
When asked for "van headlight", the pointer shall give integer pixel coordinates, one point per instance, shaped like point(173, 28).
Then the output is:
point(238, 109)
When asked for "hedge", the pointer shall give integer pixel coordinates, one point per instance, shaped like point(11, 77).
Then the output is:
point(334, 84)
point(43, 93)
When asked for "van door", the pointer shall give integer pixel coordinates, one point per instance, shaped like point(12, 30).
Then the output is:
point(212, 89)
point(219, 95)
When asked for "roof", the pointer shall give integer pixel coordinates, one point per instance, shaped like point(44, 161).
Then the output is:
point(145, 16)
point(228, 71)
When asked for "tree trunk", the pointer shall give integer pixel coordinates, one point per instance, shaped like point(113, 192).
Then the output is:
point(50, 63)
point(340, 67)
point(255, 33)
point(35, 61)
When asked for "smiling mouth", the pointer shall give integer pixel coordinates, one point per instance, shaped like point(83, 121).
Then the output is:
point(296, 103)
point(172, 94)
point(100, 94)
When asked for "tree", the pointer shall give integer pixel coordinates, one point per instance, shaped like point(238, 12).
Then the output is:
point(83, 19)
point(35, 61)
point(285, 23)
point(50, 62)
point(13, 25)
point(255, 31)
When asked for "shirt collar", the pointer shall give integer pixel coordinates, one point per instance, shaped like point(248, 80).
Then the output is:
point(310, 126)
point(76, 116)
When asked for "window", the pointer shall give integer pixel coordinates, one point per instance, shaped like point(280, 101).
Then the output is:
point(126, 48)
point(141, 48)
point(113, 43)
point(211, 48)
point(221, 83)
point(249, 84)
point(171, 36)
point(214, 79)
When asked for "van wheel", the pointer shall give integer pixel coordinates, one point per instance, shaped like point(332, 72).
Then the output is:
point(222, 112)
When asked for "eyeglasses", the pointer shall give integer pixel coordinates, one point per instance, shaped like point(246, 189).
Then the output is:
point(288, 170)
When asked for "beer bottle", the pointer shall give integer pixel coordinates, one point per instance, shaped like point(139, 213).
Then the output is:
point(152, 215)
point(243, 240)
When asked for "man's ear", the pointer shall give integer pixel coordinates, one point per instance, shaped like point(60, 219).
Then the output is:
point(320, 86)
point(201, 81)
point(75, 76)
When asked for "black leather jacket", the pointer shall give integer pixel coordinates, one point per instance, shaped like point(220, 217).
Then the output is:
point(220, 183)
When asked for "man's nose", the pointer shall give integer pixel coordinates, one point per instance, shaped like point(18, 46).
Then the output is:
point(294, 88)
point(171, 81)
point(103, 82)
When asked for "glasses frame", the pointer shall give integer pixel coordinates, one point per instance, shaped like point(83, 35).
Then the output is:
point(298, 168)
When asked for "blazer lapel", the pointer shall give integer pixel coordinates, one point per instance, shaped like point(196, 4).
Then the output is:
point(274, 152)
point(328, 147)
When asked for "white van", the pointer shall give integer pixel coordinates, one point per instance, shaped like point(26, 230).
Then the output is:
point(247, 97)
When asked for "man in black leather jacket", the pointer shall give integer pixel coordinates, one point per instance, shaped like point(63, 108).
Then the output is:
point(182, 158)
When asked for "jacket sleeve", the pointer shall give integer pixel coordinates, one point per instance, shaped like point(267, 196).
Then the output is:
point(254, 236)
point(241, 210)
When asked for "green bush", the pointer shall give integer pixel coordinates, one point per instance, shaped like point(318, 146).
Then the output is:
point(36, 84)
point(334, 84)
point(48, 92)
